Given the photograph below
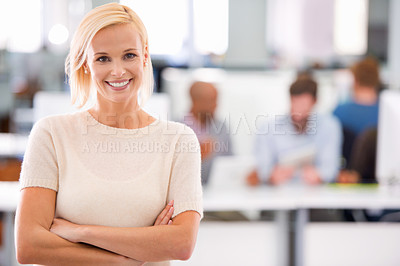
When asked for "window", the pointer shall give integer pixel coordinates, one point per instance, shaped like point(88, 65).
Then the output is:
point(21, 25)
point(350, 27)
point(166, 23)
point(174, 28)
point(211, 22)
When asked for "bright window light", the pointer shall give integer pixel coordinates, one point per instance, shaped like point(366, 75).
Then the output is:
point(4, 23)
point(350, 27)
point(58, 34)
point(20, 25)
point(166, 23)
point(211, 26)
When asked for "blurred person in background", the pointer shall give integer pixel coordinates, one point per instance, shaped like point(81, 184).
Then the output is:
point(301, 147)
point(359, 119)
point(212, 133)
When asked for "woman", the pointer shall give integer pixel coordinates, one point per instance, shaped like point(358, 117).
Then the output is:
point(95, 184)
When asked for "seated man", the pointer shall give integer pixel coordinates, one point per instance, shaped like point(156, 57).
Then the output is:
point(361, 112)
point(301, 147)
point(212, 133)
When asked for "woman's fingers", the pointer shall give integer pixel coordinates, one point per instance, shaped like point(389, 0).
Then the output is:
point(164, 213)
point(168, 216)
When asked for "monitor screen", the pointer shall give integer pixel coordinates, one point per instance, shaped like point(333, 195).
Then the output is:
point(388, 149)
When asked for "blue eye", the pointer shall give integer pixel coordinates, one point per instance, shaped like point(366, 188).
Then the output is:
point(103, 59)
point(130, 56)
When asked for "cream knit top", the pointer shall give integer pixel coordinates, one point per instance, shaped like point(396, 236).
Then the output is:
point(111, 176)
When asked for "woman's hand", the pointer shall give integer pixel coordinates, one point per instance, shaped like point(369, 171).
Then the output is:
point(70, 231)
point(66, 229)
point(164, 218)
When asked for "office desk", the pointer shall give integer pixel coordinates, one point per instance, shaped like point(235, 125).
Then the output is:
point(279, 199)
point(11, 146)
point(9, 197)
point(300, 199)
point(244, 198)
point(292, 197)
point(340, 197)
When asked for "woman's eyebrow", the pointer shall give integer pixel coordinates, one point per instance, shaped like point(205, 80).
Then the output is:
point(99, 53)
point(127, 50)
point(130, 49)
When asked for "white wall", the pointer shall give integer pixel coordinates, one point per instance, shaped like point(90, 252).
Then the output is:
point(234, 244)
point(247, 24)
point(348, 244)
point(394, 44)
point(247, 98)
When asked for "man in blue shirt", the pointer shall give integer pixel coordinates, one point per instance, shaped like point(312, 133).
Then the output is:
point(301, 147)
point(361, 112)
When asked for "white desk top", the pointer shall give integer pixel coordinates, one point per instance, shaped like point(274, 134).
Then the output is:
point(247, 198)
point(300, 197)
point(269, 198)
point(364, 196)
point(227, 190)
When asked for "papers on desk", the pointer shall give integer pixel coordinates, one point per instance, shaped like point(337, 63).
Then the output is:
point(230, 171)
point(298, 157)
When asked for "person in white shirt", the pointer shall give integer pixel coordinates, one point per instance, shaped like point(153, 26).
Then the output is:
point(111, 185)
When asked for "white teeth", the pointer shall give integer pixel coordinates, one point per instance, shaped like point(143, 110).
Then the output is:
point(119, 84)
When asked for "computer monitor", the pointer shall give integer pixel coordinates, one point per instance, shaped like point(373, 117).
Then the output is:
point(388, 149)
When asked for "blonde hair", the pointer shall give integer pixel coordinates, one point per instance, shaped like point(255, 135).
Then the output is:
point(96, 20)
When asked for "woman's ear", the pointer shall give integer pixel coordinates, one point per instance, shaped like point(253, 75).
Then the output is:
point(146, 55)
point(86, 68)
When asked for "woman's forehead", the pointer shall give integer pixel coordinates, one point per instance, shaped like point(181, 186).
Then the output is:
point(115, 38)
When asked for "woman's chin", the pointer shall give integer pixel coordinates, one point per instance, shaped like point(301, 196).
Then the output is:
point(123, 99)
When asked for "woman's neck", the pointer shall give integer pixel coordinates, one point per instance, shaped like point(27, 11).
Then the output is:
point(121, 115)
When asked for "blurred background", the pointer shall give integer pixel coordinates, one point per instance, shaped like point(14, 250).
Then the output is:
point(251, 50)
point(258, 36)
point(248, 48)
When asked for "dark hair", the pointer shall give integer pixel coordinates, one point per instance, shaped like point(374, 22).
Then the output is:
point(303, 85)
point(366, 72)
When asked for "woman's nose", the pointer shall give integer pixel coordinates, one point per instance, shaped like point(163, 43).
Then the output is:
point(118, 69)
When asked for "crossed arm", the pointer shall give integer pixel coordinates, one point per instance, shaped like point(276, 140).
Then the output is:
point(44, 240)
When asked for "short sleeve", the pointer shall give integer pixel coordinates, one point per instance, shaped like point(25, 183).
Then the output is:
point(185, 180)
point(39, 167)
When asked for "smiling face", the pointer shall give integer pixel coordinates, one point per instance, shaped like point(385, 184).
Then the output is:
point(116, 60)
